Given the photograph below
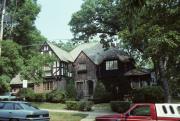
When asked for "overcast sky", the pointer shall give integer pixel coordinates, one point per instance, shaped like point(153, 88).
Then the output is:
point(54, 17)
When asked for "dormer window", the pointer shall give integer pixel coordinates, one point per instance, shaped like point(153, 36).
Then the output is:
point(112, 65)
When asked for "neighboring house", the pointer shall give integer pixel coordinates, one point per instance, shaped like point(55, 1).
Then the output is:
point(17, 84)
point(87, 64)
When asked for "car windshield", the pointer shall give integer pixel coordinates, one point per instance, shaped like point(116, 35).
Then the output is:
point(28, 106)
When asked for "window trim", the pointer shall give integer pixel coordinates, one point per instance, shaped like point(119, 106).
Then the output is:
point(111, 65)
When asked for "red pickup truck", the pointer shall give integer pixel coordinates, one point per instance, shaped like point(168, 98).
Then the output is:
point(147, 112)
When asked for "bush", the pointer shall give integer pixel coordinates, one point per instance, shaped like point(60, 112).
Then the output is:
point(153, 94)
point(72, 105)
point(81, 105)
point(56, 96)
point(85, 105)
point(71, 91)
point(100, 94)
point(120, 106)
point(40, 97)
point(28, 94)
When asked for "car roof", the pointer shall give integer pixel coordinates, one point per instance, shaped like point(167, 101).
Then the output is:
point(13, 102)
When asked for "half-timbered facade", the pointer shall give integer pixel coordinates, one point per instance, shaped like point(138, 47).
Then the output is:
point(55, 75)
point(87, 64)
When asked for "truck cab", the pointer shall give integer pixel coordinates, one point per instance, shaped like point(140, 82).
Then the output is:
point(147, 112)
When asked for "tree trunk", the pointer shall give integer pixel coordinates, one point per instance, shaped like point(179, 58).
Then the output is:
point(163, 79)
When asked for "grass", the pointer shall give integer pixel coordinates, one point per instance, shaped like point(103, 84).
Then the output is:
point(43, 105)
point(102, 107)
point(67, 116)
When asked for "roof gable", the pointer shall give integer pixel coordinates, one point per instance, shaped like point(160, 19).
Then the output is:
point(62, 54)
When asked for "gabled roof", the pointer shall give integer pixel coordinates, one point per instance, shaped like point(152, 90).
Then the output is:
point(17, 80)
point(98, 54)
point(94, 51)
point(76, 51)
point(62, 54)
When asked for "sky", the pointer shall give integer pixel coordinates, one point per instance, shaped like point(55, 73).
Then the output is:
point(54, 17)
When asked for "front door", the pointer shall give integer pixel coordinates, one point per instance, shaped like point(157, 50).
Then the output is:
point(139, 113)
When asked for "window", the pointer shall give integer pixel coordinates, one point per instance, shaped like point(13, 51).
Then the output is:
point(48, 85)
point(82, 67)
point(141, 111)
point(135, 85)
point(17, 107)
point(1, 105)
point(112, 65)
point(8, 106)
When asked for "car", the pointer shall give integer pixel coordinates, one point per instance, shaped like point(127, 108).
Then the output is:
point(7, 96)
point(147, 112)
point(21, 111)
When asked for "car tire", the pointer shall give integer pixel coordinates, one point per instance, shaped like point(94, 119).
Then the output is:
point(14, 120)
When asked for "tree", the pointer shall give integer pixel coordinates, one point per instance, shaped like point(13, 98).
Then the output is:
point(10, 63)
point(20, 54)
point(149, 26)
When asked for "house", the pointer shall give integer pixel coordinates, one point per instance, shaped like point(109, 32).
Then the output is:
point(17, 84)
point(87, 64)
point(112, 66)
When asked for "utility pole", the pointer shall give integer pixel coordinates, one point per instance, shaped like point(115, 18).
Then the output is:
point(2, 22)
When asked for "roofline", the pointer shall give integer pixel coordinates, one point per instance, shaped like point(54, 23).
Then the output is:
point(86, 56)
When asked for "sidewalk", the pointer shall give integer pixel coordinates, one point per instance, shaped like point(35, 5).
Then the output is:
point(91, 114)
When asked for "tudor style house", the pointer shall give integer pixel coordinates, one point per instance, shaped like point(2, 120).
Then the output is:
point(87, 64)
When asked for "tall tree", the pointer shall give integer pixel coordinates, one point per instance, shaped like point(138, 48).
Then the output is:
point(20, 28)
point(150, 26)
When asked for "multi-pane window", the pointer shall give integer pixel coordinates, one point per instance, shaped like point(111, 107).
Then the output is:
point(112, 65)
point(48, 85)
point(82, 66)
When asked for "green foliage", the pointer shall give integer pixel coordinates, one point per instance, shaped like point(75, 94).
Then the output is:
point(33, 67)
point(79, 105)
point(10, 63)
point(71, 90)
point(56, 96)
point(67, 46)
point(100, 93)
point(120, 106)
point(150, 27)
point(40, 97)
point(28, 94)
point(152, 94)
point(85, 105)
point(72, 105)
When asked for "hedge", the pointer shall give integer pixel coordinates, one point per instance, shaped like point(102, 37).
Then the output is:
point(151, 94)
point(120, 106)
point(79, 105)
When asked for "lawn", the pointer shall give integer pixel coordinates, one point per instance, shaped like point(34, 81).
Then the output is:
point(43, 105)
point(66, 116)
point(102, 107)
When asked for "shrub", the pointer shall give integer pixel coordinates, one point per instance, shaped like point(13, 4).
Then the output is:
point(27, 93)
point(85, 105)
point(120, 106)
point(71, 91)
point(81, 105)
point(56, 96)
point(40, 97)
point(151, 94)
point(72, 105)
point(100, 94)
